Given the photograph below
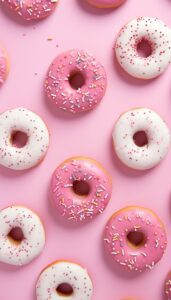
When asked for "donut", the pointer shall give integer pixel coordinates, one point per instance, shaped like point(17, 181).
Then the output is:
point(156, 36)
point(31, 9)
point(152, 147)
point(135, 239)
point(62, 280)
point(75, 82)
point(106, 3)
point(167, 287)
point(21, 120)
point(22, 235)
point(80, 189)
point(4, 65)
point(129, 298)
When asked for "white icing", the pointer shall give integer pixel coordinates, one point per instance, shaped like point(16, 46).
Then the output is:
point(158, 135)
point(64, 272)
point(21, 119)
point(158, 35)
point(34, 236)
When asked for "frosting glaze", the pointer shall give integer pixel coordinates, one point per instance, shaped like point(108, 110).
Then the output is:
point(22, 120)
point(130, 257)
point(130, 299)
point(64, 272)
point(31, 9)
point(72, 206)
point(167, 287)
point(158, 138)
point(158, 36)
point(34, 236)
point(106, 3)
point(4, 65)
point(59, 89)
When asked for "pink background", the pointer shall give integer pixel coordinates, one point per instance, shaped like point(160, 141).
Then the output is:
point(75, 25)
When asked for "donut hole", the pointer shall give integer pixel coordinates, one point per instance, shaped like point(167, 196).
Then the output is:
point(19, 139)
point(16, 235)
point(140, 138)
point(136, 238)
point(64, 289)
point(144, 48)
point(81, 187)
point(76, 80)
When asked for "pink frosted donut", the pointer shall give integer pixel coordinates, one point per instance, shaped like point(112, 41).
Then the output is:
point(135, 238)
point(130, 298)
point(80, 189)
point(167, 287)
point(4, 65)
point(75, 82)
point(31, 9)
point(106, 3)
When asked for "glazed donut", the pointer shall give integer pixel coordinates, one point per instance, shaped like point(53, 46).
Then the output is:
point(62, 279)
point(28, 243)
point(167, 287)
point(157, 138)
point(135, 239)
point(106, 3)
point(86, 92)
point(129, 299)
point(158, 37)
point(4, 65)
point(31, 9)
point(25, 121)
point(80, 189)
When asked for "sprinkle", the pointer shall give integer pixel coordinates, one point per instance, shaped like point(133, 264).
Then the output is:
point(50, 38)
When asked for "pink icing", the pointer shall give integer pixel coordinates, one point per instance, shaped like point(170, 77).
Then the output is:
point(32, 9)
point(133, 219)
point(106, 3)
point(167, 287)
point(59, 90)
point(75, 207)
point(3, 66)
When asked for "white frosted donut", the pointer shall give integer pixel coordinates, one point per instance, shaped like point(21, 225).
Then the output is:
point(63, 272)
point(158, 36)
point(157, 135)
point(22, 120)
point(20, 251)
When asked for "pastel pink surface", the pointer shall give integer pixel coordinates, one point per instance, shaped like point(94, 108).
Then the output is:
point(89, 135)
